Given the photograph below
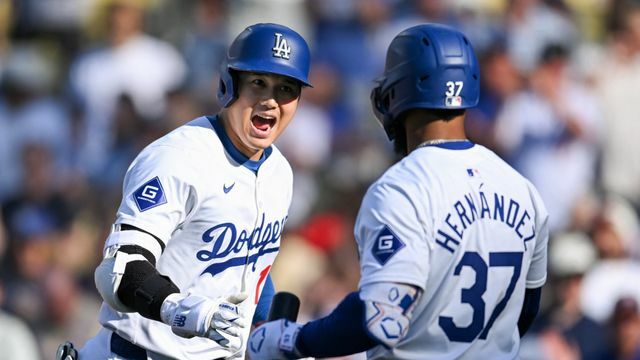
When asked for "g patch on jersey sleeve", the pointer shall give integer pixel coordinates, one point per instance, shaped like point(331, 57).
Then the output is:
point(386, 245)
point(149, 195)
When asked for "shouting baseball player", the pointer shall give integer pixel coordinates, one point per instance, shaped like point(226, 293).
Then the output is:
point(452, 240)
point(203, 208)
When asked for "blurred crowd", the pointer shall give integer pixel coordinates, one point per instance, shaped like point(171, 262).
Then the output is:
point(86, 84)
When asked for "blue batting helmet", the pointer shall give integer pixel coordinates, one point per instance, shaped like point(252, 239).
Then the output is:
point(428, 66)
point(264, 48)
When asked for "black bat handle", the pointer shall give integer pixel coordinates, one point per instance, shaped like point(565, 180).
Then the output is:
point(284, 305)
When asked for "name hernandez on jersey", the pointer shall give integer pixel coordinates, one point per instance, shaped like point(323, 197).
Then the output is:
point(499, 208)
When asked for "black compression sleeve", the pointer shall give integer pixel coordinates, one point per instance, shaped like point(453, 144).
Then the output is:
point(142, 287)
point(530, 308)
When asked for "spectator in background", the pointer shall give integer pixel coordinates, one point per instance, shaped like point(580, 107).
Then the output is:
point(37, 220)
point(625, 323)
point(131, 133)
point(204, 49)
point(550, 132)
point(5, 22)
point(70, 312)
point(29, 114)
point(499, 80)
point(618, 82)
point(31, 251)
point(131, 62)
point(16, 339)
point(617, 273)
point(531, 26)
point(570, 256)
point(39, 193)
point(308, 143)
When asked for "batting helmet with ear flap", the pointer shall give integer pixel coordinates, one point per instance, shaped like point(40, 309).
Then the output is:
point(264, 48)
point(428, 66)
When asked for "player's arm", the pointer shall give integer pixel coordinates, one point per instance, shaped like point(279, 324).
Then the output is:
point(128, 281)
point(530, 308)
point(537, 273)
point(127, 278)
point(363, 320)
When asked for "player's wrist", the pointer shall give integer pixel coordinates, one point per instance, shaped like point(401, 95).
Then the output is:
point(169, 306)
point(289, 338)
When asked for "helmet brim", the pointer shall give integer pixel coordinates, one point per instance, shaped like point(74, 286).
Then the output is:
point(268, 67)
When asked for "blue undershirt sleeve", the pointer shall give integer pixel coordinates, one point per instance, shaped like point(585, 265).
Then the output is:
point(340, 333)
point(264, 303)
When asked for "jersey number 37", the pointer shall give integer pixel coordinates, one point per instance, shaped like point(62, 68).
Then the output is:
point(473, 295)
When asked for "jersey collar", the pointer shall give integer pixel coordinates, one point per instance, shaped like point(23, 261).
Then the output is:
point(453, 145)
point(235, 154)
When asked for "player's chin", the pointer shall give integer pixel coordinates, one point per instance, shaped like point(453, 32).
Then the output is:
point(260, 142)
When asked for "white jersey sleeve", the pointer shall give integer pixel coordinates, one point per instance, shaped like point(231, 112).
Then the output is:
point(159, 191)
point(391, 237)
point(537, 275)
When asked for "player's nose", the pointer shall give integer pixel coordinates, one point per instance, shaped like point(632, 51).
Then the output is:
point(269, 102)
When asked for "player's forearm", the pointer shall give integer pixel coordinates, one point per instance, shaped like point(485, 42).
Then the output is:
point(530, 308)
point(144, 289)
point(346, 326)
point(127, 278)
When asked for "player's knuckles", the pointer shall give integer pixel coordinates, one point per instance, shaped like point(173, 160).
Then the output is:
point(234, 319)
point(230, 320)
point(230, 331)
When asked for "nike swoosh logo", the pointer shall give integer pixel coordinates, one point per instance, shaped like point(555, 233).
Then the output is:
point(226, 188)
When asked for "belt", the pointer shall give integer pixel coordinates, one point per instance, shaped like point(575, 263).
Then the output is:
point(127, 350)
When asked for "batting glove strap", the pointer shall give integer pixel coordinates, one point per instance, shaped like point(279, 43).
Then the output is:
point(274, 340)
point(192, 315)
point(288, 339)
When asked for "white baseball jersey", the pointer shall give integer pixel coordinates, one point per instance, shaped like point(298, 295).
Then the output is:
point(459, 223)
point(220, 221)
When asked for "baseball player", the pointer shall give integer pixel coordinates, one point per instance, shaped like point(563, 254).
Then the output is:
point(203, 209)
point(452, 240)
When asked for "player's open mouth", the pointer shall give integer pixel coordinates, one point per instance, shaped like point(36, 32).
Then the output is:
point(262, 123)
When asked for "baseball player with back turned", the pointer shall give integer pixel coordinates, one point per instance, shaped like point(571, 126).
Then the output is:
point(187, 263)
point(452, 240)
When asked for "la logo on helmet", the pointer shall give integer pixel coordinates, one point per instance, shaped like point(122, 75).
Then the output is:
point(281, 48)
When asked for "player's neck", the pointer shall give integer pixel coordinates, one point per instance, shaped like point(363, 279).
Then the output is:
point(423, 126)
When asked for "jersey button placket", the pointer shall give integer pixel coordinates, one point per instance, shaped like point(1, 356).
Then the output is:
point(259, 202)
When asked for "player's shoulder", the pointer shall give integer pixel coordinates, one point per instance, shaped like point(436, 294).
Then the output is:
point(192, 137)
point(184, 147)
point(499, 164)
point(404, 178)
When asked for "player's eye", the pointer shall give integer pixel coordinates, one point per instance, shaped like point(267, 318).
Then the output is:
point(258, 82)
point(288, 92)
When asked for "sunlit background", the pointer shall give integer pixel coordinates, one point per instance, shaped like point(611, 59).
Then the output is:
point(86, 84)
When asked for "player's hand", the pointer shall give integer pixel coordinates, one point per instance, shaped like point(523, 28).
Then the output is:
point(274, 340)
point(220, 320)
